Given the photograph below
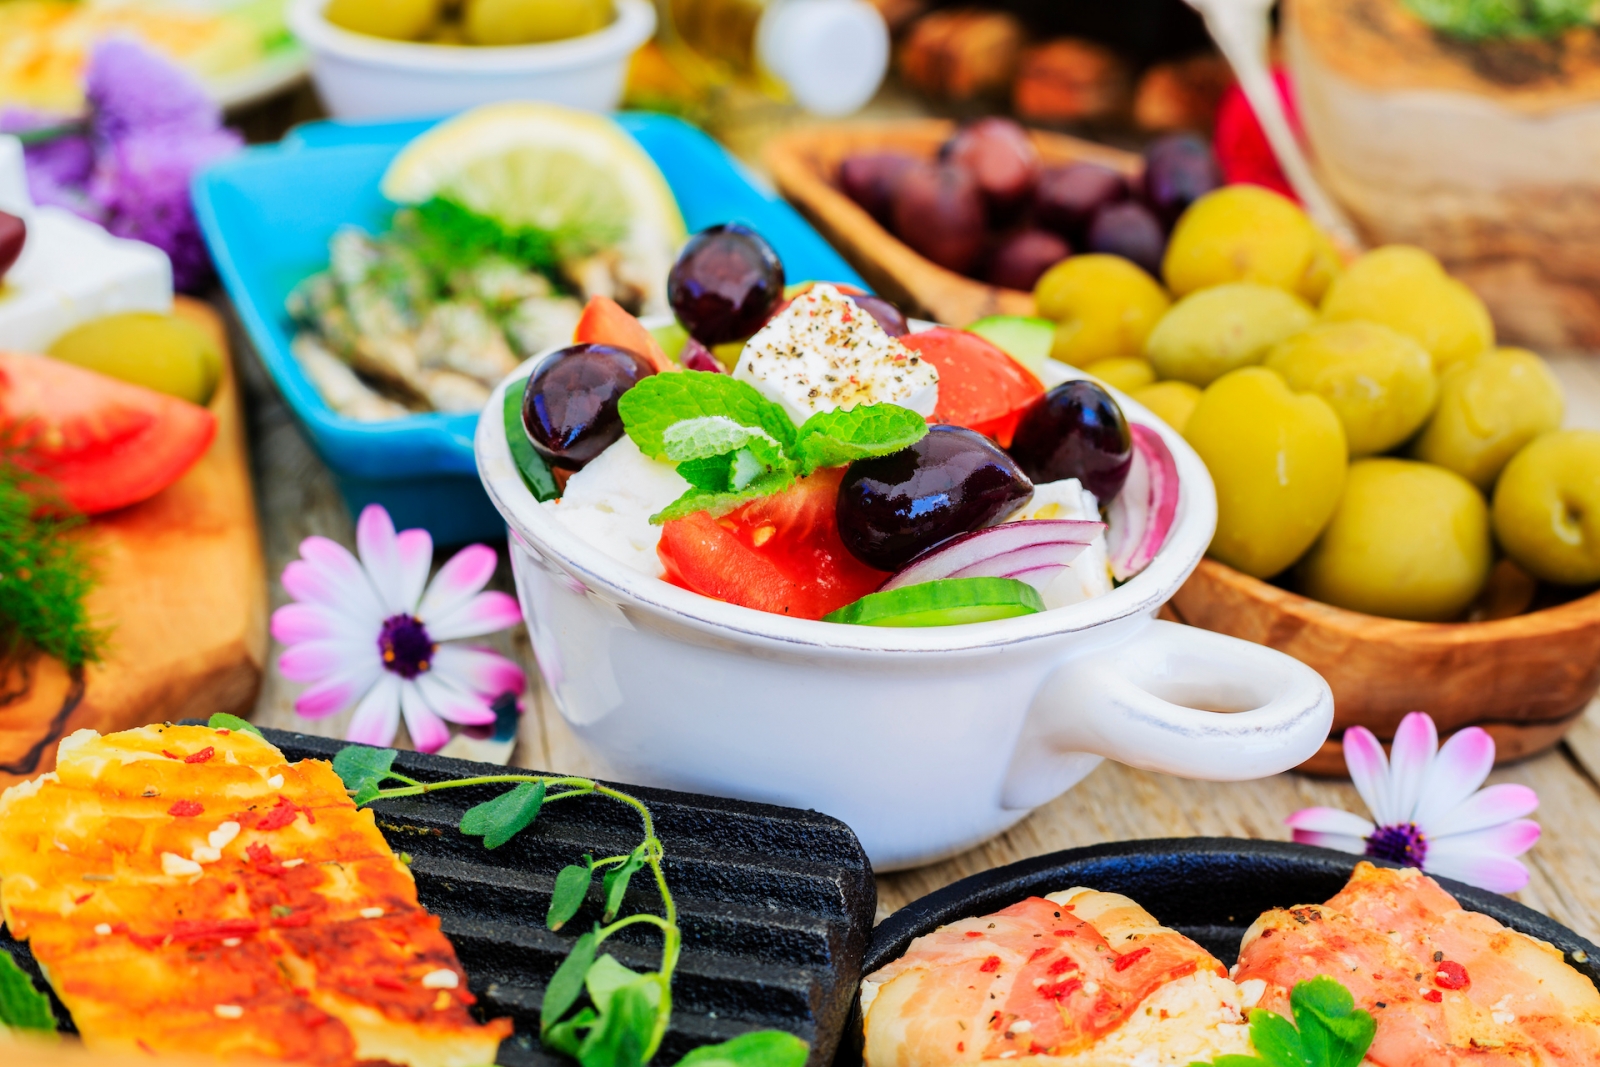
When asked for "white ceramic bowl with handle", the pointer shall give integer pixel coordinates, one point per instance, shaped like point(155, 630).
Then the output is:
point(359, 76)
point(925, 741)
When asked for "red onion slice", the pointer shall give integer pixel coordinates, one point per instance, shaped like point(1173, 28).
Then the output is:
point(1141, 516)
point(1032, 551)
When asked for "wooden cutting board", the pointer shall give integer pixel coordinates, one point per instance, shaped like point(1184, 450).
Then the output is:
point(181, 585)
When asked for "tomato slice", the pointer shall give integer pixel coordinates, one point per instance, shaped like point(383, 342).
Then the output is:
point(980, 387)
point(606, 322)
point(104, 443)
point(780, 554)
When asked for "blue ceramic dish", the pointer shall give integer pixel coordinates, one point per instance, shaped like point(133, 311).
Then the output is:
point(267, 215)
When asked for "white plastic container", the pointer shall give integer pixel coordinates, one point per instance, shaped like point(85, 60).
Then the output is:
point(359, 76)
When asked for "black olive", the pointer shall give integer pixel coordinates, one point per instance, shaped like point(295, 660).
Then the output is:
point(893, 508)
point(570, 406)
point(1076, 430)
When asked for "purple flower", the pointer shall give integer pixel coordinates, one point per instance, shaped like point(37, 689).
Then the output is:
point(142, 182)
point(59, 168)
point(134, 90)
point(1427, 809)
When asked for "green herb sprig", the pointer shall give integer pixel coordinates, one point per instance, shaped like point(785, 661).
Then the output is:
point(45, 574)
point(732, 444)
point(1478, 20)
point(627, 1014)
point(22, 1006)
point(1328, 1030)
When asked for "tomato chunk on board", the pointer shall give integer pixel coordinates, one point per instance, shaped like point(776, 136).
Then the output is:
point(104, 443)
point(606, 322)
point(780, 554)
point(980, 387)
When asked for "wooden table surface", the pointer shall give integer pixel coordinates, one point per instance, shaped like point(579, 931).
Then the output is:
point(297, 498)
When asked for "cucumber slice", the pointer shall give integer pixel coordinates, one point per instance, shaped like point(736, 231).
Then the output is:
point(1025, 340)
point(671, 338)
point(945, 602)
point(536, 474)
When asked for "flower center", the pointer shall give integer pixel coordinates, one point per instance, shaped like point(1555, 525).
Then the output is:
point(1403, 843)
point(405, 645)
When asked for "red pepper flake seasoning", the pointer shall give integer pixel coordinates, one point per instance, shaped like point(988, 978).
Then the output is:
point(466, 997)
point(974, 933)
point(260, 856)
point(994, 1021)
point(961, 1046)
point(1061, 990)
point(84, 898)
point(1451, 975)
point(299, 918)
point(281, 815)
point(223, 732)
point(201, 756)
point(169, 755)
point(141, 1044)
point(1124, 962)
point(1039, 952)
point(212, 929)
point(1062, 966)
point(187, 809)
point(1433, 996)
point(384, 981)
point(300, 991)
point(230, 887)
point(990, 965)
point(1064, 933)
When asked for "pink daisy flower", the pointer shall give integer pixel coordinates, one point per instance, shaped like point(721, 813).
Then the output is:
point(374, 633)
point(1427, 809)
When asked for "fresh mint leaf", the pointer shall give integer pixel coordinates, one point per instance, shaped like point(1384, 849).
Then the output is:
point(499, 820)
point(763, 1048)
point(714, 435)
point(661, 401)
point(22, 1006)
point(622, 1035)
point(566, 985)
point(615, 883)
point(1333, 1031)
point(1232, 1060)
point(718, 503)
point(223, 721)
point(572, 886)
point(360, 765)
point(535, 471)
point(835, 438)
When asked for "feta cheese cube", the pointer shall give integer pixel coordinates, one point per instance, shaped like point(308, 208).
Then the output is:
point(609, 503)
point(823, 353)
point(1090, 574)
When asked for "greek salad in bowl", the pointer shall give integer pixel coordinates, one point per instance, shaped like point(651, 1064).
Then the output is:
point(805, 451)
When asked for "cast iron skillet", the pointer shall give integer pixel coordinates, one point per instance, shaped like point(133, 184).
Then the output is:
point(1209, 888)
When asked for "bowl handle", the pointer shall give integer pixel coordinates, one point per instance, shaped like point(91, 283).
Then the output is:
point(1139, 700)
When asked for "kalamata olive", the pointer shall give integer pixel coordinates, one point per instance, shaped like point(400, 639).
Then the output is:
point(1068, 197)
point(1020, 259)
point(570, 406)
point(938, 210)
point(891, 318)
point(1131, 231)
point(1178, 170)
point(13, 235)
point(999, 154)
point(725, 284)
point(870, 179)
point(1076, 430)
point(953, 481)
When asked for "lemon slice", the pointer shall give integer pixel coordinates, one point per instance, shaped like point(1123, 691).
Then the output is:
point(572, 173)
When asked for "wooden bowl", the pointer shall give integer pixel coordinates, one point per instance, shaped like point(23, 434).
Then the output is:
point(1525, 679)
point(805, 164)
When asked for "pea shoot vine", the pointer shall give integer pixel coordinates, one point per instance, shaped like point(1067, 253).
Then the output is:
point(627, 1014)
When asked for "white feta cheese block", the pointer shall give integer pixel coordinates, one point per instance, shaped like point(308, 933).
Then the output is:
point(823, 353)
point(609, 503)
point(1090, 574)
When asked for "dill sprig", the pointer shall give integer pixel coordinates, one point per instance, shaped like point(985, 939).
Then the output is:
point(44, 575)
point(450, 237)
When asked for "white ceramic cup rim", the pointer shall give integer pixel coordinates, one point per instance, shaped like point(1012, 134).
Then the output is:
point(1142, 595)
point(633, 25)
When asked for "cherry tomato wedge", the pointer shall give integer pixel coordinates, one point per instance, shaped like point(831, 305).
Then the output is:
point(103, 443)
point(980, 387)
point(606, 322)
point(780, 554)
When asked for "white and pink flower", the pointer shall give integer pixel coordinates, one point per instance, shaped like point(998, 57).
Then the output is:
point(1427, 809)
point(375, 634)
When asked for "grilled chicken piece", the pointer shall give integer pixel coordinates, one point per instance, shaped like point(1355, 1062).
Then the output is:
point(187, 890)
point(1078, 978)
point(1447, 986)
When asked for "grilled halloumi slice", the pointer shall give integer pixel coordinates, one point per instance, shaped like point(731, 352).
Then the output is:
point(187, 889)
point(1075, 979)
